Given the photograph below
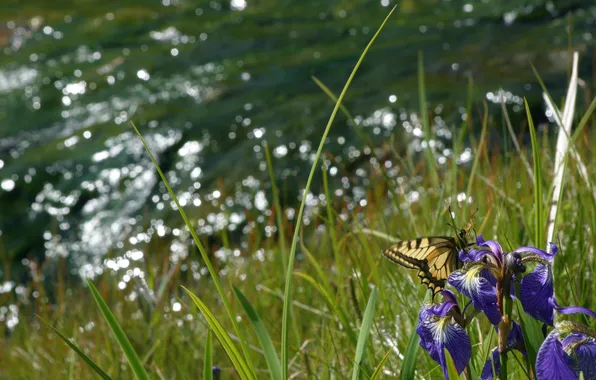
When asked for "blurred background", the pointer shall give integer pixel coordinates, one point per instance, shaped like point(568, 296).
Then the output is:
point(208, 82)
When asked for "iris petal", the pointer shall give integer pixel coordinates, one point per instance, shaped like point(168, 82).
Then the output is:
point(539, 252)
point(586, 358)
point(441, 310)
point(457, 342)
point(438, 334)
point(449, 296)
point(552, 362)
point(477, 284)
point(536, 294)
point(515, 340)
point(574, 309)
point(474, 255)
point(493, 361)
point(441, 332)
point(495, 248)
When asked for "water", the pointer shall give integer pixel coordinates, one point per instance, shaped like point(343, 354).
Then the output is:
point(208, 84)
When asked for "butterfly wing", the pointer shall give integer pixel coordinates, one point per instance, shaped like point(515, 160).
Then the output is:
point(434, 258)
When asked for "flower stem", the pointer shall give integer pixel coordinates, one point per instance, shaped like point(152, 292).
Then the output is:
point(502, 335)
point(505, 307)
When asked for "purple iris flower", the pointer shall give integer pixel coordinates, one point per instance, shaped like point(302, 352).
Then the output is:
point(439, 328)
point(515, 340)
point(478, 279)
point(487, 247)
point(565, 358)
point(487, 265)
point(537, 295)
point(479, 285)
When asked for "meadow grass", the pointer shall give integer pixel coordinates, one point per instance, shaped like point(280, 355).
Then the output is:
point(336, 279)
point(329, 297)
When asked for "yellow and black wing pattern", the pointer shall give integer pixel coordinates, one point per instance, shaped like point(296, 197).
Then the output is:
point(434, 257)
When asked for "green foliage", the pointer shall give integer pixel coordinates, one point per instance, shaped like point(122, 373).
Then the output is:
point(264, 338)
point(204, 255)
point(129, 351)
point(208, 358)
point(242, 368)
point(538, 200)
point(364, 333)
point(80, 352)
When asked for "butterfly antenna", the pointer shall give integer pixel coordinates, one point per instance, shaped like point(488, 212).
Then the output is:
point(452, 219)
point(475, 236)
point(474, 213)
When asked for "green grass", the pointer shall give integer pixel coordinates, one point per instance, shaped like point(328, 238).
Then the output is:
point(328, 305)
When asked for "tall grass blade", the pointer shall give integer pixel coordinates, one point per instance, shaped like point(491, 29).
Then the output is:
point(408, 366)
point(562, 148)
point(451, 369)
point(80, 352)
point(244, 371)
point(331, 224)
point(338, 311)
point(129, 352)
point(521, 154)
point(203, 252)
point(538, 206)
point(281, 258)
point(263, 336)
point(379, 369)
point(430, 158)
point(288, 286)
point(478, 151)
point(208, 358)
point(367, 321)
point(322, 275)
point(277, 205)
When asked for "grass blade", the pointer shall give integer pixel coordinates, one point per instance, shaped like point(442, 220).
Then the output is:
point(263, 336)
point(521, 154)
point(203, 252)
point(451, 369)
point(562, 148)
point(277, 205)
point(244, 371)
point(80, 352)
point(430, 158)
point(290, 268)
point(208, 358)
point(367, 320)
point(338, 311)
point(379, 370)
point(408, 366)
point(478, 151)
point(538, 206)
point(131, 355)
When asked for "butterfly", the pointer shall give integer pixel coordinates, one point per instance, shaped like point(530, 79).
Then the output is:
point(435, 257)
